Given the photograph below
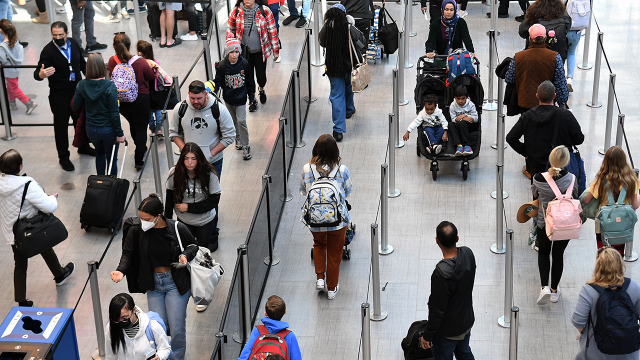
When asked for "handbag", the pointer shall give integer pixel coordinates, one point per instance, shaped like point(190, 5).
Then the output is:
point(589, 210)
point(388, 32)
point(205, 273)
point(38, 233)
point(576, 164)
point(360, 75)
point(164, 95)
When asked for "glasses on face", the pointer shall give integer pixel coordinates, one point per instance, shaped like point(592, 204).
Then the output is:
point(124, 318)
point(57, 36)
point(196, 88)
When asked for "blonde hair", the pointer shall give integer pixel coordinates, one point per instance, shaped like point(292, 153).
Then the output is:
point(615, 173)
point(558, 159)
point(609, 268)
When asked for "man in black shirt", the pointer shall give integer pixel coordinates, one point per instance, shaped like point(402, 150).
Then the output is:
point(61, 62)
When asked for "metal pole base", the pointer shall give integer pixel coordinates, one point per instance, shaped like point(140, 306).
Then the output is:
point(9, 138)
point(503, 323)
point(394, 194)
point(494, 194)
point(306, 98)
point(413, 33)
point(490, 105)
point(597, 105)
point(400, 144)
point(586, 66)
point(95, 355)
point(237, 337)
point(300, 144)
point(388, 251)
point(495, 146)
point(276, 260)
point(286, 197)
point(495, 250)
point(408, 65)
point(403, 102)
point(317, 64)
point(634, 257)
point(382, 316)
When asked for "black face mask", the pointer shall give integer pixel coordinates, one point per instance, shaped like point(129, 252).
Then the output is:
point(60, 41)
point(125, 323)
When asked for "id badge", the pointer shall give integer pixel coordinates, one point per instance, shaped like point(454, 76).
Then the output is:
point(72, 75)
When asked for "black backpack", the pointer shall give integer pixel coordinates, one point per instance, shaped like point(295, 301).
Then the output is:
point(616, 331)
point(411, 344)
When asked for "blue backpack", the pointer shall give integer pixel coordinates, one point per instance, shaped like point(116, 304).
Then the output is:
point(616, 329)
point(617, 220)
point(459, 63)
point(155, 316)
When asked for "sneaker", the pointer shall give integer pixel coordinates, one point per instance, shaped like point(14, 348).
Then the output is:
point(113, 18)
point(189, 37)
point(338, 136)
point(302, 22)
point(555, 296)
point(429, 148)
point(437, 148)
point(139, 165)
point(246, 152)
point(459, 150)
point(68, 270)
point(462, 13)
point(201, 308)
point(13, 105)
point(349, 115)
point(467, 151)
point(320, 284)
point(289, 20)
point(332, 294)
point(263, 96)
point(544, 296)
point(253, 107)
point(125, 14)
point(61, 10)
point(96, 46)
point(30, 106)
point(66, 165)
point(26, 303)
point(570, 84)
point(239, 146)
point(278, 59)
point(142, 9)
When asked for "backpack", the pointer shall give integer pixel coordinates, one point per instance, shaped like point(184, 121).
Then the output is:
point(459, 62)
point(558, 42)
point(617, 220)
point(322, 207)
point(153, 316)
point(580, 12)
point(616, 328)
point(268, 343)
point(125, 79)
point(562, 218)
point(411, 343)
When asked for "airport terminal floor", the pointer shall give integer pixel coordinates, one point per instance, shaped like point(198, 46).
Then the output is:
point(330, 329)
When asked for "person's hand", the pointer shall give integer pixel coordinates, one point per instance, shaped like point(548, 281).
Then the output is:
point(120, 139)
point(459, 117)
point(468, 119)
point(56, 195)
point(81, 4)
point(116, 276)
point(45, 73)
point(182, 259)
point(431, 55)
point(445, 136)
point(424, 344)
point(155, 358)
point(182, 207)
point(405, 137)
point(424, 9)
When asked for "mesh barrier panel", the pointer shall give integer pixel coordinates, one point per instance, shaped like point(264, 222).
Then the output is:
point(304, 68)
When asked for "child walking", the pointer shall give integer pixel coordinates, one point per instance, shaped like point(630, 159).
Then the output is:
point(464, 119)
point(434, 124)
point(12, 53)
point(145, 50)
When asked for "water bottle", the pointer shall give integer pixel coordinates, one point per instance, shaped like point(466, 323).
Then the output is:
point(149, 353)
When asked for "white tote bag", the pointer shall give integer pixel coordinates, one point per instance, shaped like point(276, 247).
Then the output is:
point(205, 274)
point(360, 75)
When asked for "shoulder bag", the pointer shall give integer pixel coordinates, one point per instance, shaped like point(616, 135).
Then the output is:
point(38, 233)
point(360, 75)
point(576, 164)
point(388, 32)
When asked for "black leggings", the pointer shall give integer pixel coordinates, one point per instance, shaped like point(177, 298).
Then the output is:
point(259, 68)
point(545, 248)
point(138, 114)
point(41, 6)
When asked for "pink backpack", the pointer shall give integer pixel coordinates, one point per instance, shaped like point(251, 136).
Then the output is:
point(562, 218)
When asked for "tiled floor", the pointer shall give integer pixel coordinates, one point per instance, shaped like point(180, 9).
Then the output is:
point(332, 329)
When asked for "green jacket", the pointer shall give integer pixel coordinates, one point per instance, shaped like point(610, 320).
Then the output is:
point(100, 100)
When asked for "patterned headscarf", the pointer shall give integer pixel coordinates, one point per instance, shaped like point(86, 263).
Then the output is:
point(449, 24)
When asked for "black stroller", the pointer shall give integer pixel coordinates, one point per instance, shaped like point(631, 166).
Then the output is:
point(431, 80)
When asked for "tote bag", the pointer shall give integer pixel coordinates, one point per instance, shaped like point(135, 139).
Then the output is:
point(388, 32)
point(360, 75)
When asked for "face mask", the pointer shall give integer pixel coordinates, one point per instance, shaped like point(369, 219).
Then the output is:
point(60, 42)
point(125, 324)
point(146, 225)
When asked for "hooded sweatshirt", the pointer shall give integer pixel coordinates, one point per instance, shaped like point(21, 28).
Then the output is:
point(11, 189)
point(232, 79)
point(537, 125)
point(451, 301)
point(468, 109)
point(11, 56)
point(274, 326)
point(434, 120)
point(100, 100)
point(199, 126)
point(140, 343)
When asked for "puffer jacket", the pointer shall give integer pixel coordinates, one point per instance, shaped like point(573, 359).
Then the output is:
point(140, 343)
point(11, 189)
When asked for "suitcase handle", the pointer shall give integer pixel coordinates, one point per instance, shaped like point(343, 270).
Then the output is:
point(113, 152)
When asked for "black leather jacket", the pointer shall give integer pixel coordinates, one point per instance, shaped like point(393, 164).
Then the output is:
point(181, 276)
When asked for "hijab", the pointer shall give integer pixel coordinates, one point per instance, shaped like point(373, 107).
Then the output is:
point(449, 24)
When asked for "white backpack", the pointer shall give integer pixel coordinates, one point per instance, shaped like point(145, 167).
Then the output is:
point(562, 218)
point(323, 205)
point(580, 12)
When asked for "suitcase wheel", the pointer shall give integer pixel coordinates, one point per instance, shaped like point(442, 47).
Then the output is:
point(346, 254)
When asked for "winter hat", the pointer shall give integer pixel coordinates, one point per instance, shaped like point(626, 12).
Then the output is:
point(537, 30)
point(340, 6)
point(232, 45)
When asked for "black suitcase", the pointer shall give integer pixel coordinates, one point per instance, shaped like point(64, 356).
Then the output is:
point(411, 344)
point(153, 18)
point(104, 200)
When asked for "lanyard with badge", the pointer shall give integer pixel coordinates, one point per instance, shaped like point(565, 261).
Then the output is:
point(67, 54)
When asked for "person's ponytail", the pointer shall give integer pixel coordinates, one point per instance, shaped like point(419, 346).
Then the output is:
point(122, 44)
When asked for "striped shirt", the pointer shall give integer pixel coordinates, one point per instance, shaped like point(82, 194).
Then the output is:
point(342, 178)
point(132, 330)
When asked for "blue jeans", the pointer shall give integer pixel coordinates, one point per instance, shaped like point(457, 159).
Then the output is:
point(293, 10)
point(341, 98)
point(573, 36)
point(157, 122)
point(6, 12)
point(275, 10)
point(434, 134)
point(443, 348)
point(172, 308)
point(214, 234)
point(103, 139)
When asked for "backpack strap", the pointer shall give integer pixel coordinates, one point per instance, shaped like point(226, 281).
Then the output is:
point(553, 186)
point(24, 196)
point(133, 59)
point(283, 333)
point(623, 194)
point(150, 335)
point(262, 329)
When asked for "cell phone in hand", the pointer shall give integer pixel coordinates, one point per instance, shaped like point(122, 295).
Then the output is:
point(178, 265)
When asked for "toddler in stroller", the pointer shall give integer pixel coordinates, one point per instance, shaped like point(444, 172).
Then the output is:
point(434, 125)
point(464, 119)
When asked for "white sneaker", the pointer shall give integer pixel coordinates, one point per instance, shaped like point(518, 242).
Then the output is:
point(332, 294)
point(462, 13)
point(201, 308)
point(570, 84)
point(61, 10)
point(189, 37)
point(555, 296)
point(320, 284)
point(544, 296)
point(278, 59)
point(437, 148)
point(125, 14)
point(113, 19)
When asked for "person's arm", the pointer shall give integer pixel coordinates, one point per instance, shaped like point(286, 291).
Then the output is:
point(39, 199)
point(415, 123)
point(163, 348)
point(514, 135)
point(78, 99)
point(510, 78)
point(577, 137)
point(83, 62)
point(443, 121)
point(438, 301)
point(147, 72)
point(473, 113)
point(228, 131)
point(127, 251)
point(560, 82)
point(567, 22)
point(348, 187)
point(582, 310)
point(231, 24)
point(205, 205)
point(246, 351)
point(44, 69)
point(169, 204)
point(218, 80)
point(187, 239)
point(534, 189)
point(111, 63)
point(114, 109)
point(174, 135)
point(430, 44)
point(293, 346)
point(305, 177)
point(466, 37)
point(272, 32)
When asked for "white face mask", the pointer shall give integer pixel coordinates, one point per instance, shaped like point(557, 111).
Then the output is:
point(146, 225)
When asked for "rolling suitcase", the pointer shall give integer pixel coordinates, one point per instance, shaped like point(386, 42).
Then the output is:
point(104, 200)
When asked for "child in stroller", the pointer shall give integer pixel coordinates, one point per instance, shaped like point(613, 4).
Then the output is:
point(434, 125)
point(464, 118)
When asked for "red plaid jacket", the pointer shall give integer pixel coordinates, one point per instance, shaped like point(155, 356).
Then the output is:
point(266, 25)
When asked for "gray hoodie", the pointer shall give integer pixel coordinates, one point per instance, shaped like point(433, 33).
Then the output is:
point(468, 109)
point(11, 56)
point(200, 127)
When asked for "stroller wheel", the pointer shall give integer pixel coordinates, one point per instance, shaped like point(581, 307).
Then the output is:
point(465, 169)
point(434, 170)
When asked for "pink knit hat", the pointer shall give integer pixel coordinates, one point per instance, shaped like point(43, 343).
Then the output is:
point(232, 45)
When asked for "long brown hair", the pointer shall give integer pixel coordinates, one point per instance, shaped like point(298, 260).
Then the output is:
point(9, 31)
point(615, 172)
point(325, 152)
point(544, 10)
point(203, 172)
point(609, 268)
point(122, 44)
